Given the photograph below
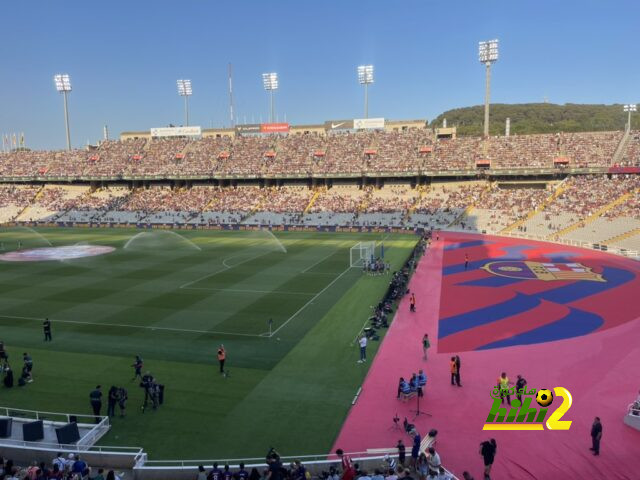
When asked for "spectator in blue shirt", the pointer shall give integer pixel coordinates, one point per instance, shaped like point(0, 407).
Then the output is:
point(242, 474)
point(422, 378)
point(79, 466)
point(215, 473)
point(226, 474)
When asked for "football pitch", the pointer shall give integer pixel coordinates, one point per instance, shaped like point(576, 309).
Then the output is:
point(286, 306)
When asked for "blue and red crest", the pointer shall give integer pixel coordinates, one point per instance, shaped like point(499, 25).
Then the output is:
point(518, 292)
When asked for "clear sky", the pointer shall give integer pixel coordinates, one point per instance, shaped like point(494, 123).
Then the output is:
point(125, 56)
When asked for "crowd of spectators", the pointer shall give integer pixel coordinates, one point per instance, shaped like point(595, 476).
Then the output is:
point(410, 151)
point(631, 154)
point(70, 467)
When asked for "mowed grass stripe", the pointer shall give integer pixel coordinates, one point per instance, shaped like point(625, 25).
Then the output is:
point(300, 379)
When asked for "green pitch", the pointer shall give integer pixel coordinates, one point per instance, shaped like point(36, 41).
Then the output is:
point(173, 298)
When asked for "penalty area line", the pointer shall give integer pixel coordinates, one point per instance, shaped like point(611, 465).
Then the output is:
point(124, 325)
point(310, 301)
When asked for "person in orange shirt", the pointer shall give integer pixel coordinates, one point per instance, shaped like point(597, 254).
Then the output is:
point(222, 355)
point(455, 370)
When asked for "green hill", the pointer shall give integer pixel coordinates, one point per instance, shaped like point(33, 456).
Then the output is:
point(538, 118)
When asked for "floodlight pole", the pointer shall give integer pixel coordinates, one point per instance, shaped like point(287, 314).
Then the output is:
point(66, 119)
point(271, 110)
point(366, 100)
point(186, 110)
point(487, 96)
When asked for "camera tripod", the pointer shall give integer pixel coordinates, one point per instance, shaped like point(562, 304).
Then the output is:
point(417, 411)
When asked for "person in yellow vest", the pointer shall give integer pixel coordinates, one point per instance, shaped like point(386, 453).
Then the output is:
point(503, 384)
point(222, 355)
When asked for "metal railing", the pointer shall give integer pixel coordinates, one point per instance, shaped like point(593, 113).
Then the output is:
point(316, 461)
point(634, 254)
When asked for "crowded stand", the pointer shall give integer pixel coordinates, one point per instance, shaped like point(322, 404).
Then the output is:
point(582, 197)
point(519, 151)
point(14, 199)
point(589, 149)
point(300, 154)
point(455, 154)
point(499, 207)
point(410, 151)
point(631, 154)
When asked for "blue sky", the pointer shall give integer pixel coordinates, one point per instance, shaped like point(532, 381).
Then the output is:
point(125, 56)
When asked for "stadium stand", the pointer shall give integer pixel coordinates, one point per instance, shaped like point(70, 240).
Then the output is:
point(597, 208)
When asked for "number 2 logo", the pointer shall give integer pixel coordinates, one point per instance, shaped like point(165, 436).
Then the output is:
point(554, 422)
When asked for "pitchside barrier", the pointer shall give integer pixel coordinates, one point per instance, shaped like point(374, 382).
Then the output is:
point(315, 464)
point(135, 459)
point(47, 445)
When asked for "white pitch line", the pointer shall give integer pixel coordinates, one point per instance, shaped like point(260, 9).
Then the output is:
point(226, 267)
point(124, 325)
point(319, 261)
point(239, 290)
point(310, 301)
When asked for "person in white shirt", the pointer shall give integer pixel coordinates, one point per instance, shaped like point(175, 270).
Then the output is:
point(60, 461)
point(363, 348)
point(364, 476)
point(434, 460)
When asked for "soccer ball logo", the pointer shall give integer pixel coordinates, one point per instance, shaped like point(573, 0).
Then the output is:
point(544, 397)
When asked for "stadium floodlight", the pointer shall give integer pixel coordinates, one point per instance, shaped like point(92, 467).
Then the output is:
point(365, 77)
point(184, 90)
point(63, 86)
point(630, 108)
point(270, 82)
point(487, 54)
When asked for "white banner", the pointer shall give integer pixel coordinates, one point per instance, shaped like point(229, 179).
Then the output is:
point(359, 123)
point(176, 132)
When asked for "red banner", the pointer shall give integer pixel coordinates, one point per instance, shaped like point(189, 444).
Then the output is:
point(426, 149)
point(560, 160)
point(483, 163)
point(617, 169)
point(274, 127)
point(370, 151)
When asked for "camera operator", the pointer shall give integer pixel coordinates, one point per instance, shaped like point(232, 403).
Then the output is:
point(151, 391)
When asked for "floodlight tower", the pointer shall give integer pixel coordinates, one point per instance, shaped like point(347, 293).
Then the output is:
point(270, 82)
point(365, 77)
point(184, 90)
point(63, 86)
point(630, 108)
point(487, 54)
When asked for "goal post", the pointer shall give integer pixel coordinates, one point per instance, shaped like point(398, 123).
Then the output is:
point(361, 252)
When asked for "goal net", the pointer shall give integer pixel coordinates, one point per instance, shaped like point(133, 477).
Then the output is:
point(361, 252)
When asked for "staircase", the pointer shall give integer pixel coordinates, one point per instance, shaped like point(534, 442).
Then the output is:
point(623, 236)
point(598, 213)
point(621, 148)
point(315, 196)
point(35, 198)
point(548, 201)
point(411, 210)
point(365, 201)
point(469, 208)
